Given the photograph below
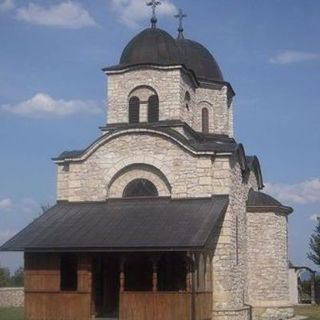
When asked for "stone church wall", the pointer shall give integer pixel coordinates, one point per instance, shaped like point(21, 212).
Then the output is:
point(217, 103)
point(229, 261)
point(166, 83)
point(188, 175)
point(171, 98)
point(268, 277)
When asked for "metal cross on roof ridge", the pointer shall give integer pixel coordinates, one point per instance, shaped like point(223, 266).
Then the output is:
point(153, 4)
point(181, 15)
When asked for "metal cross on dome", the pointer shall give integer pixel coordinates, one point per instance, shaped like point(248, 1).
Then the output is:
point(180, 16)
point(153, 4)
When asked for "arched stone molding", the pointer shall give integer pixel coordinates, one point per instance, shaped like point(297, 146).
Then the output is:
point(121, 175)
point(142, 92)
point(104, 139)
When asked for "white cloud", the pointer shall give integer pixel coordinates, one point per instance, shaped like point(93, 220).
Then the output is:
point(6, 5)
point(290, 56)
point(44, 106)
point(315, 217)
point(5, 203)
point(132, 12)
point(304, 192)
point(67, 14)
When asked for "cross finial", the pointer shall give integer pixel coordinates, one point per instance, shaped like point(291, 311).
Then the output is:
point(153, 4)
point(180, 16)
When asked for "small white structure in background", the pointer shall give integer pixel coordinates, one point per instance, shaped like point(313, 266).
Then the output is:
point(294, 285)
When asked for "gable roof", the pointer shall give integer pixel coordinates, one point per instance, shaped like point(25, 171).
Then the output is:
point(140, 224)
point(195, 142)
point(262, 202)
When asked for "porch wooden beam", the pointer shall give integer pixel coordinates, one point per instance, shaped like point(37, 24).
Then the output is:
point(122, 273)
point(154, 277)
point(154, 259)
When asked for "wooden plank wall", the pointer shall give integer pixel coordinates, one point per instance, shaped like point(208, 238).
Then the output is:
point(43, 298)
point(53, 306)
point(155, 306)
point(203, 305)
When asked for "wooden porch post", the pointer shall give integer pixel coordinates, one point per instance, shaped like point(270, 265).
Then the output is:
point(194, 267)
point(122, 274)
point(190, 283)
point(154, 259)
point(154, 276)
point(313, 291)
point(189, 279)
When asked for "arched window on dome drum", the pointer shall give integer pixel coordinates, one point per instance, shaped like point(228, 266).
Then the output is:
point(134, 110)
point(187, 99)
point(140, 188)
point(153, 108)
point(205, 120)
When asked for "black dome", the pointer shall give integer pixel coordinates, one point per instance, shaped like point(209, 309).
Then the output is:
point(197, 58)
point(152, 45)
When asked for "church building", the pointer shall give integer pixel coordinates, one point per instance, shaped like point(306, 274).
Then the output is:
point(162, 217)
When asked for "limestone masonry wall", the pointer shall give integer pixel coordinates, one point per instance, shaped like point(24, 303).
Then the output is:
point(166, 83)
point(268, 276)
point(219, 111)
point(11, 297)
point(171, 98)
point(188, 175)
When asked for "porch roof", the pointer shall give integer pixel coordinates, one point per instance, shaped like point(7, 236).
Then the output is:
point(140, 224)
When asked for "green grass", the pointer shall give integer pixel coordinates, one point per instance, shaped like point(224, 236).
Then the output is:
point(11, 313)
point(312, 312)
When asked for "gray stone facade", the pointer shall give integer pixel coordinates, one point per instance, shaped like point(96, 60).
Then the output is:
point(171, 85)
point(249, 266)
point(11, 297)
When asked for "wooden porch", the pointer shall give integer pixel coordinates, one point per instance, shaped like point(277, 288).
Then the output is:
point(166, 286)
point(165, 305)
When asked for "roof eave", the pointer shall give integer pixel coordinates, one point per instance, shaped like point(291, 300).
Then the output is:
point(263, 209)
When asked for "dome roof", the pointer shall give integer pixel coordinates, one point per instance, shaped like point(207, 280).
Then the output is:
point(152, 45)
point(197, 58)
point(156, 46)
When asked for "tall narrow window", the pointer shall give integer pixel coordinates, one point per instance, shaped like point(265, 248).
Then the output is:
point(187, 99)
point(153, 109)
point(134, 109)
point(68, 272)
point(205, 120)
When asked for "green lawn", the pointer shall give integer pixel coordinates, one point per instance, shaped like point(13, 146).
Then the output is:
point(313, 312)
point(11, 313)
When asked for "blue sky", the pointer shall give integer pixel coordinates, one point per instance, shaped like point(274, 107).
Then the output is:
point(53, 93)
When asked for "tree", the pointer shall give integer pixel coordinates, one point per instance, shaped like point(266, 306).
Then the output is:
point(314, 244)
point(17, 278)
point(4, 277)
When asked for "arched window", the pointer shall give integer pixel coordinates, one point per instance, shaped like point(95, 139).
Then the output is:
point(153, 108)
point(187, 99)
point(134, 109)
point(140, 188)
point(205, 120)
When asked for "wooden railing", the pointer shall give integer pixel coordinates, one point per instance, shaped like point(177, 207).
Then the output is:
point(164, 305)
point(155, 305)
point(51, 305)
